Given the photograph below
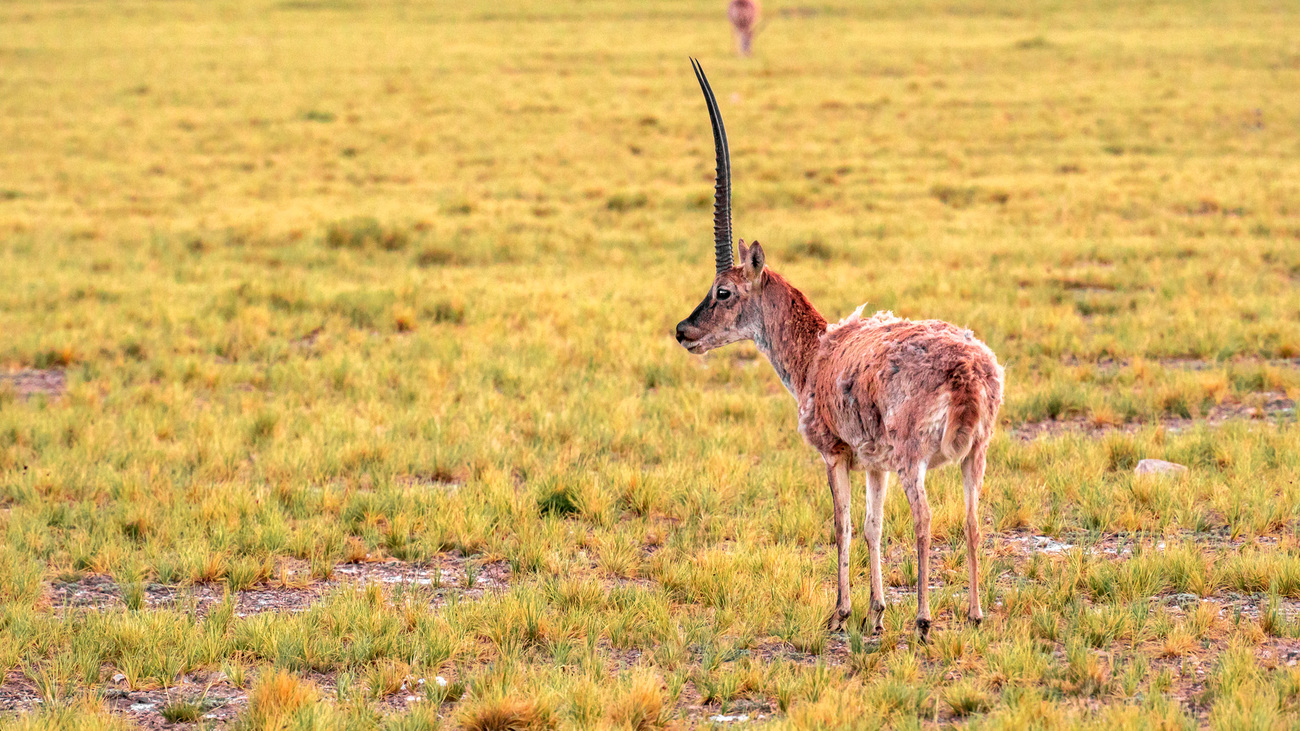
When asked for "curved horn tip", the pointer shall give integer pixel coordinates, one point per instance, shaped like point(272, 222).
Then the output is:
point(722, 187)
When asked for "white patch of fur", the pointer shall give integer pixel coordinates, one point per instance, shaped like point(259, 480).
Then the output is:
point(881, 317)
point(806, 416)
point(855, 317)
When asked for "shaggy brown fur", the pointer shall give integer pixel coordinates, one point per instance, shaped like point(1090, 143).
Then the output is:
point(880, 394)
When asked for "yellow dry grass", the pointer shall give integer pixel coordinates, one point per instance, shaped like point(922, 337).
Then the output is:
point(334, 282)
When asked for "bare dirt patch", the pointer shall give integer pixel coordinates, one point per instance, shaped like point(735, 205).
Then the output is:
point(31, 381)
point(1263, 407)
point(17, 693)
point(447, 575)
point(218, 700)
point(1190, 364)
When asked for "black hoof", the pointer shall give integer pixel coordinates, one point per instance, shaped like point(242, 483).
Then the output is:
point(923, 626)
point(977, 621)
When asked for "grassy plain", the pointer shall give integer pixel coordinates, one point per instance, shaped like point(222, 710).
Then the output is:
point(386, 288)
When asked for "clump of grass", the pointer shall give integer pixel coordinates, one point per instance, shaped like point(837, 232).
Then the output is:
point(957, 196)
point(386, 678)
point(404, 320)
point(1187, 570)
point(620, 555)
point(626, 201)
point(502, 713)
point(1178, 643)
point(365, 233)
point(446, 310)
point(364, 310)
point(246, 572)
point(236, 673)
point(82, 713)
point(182, 711)
point(966, 697)
point(437, 255)
point(60, 357)
point(139, 524)
point(263, 427)
point(1121, 453)
point(1087, 673)
point(277, 699)
point(560, 498)
point(1138, 578)
point(813, 248)
point(641, 705)
point(459, 207)
point(1032, 43)
point(659, 374)
point(641, 496)
point(133, 595)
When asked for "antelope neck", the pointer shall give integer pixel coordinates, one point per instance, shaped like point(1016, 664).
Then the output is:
point(789, 332)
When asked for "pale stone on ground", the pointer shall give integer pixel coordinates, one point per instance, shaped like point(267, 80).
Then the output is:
point(1159, 467)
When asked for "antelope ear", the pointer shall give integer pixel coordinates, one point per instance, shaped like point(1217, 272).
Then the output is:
point(742, 250)
point(753, 260)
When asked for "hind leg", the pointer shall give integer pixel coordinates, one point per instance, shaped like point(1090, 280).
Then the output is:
point(872, 527)
point(972, 473)
point(912, 480)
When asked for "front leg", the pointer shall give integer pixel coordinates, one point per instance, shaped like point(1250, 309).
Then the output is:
point(912, 480)
point(837, 474)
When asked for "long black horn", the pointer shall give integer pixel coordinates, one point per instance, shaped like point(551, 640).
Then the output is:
point(722, 186)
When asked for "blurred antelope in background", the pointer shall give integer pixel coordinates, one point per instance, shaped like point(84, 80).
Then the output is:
point(879, 394)
point(744, 15)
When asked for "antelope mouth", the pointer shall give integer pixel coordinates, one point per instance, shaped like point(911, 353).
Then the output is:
point(694, 347)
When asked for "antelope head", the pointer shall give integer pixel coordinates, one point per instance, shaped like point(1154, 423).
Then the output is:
point(731, 310)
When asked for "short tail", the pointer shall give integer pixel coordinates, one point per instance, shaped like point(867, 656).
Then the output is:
point(966, 401)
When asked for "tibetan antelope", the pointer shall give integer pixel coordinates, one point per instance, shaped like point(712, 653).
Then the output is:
point(744, 15)
point(879, 394)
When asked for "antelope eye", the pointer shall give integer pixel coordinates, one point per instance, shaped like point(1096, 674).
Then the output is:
point(723, 294)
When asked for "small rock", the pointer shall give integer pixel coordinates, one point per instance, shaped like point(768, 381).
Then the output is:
point(1184, 601)
point(728, 719)
point(440, 681)
point(119, 678)
point(1159, 467)
point(1047, 545)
